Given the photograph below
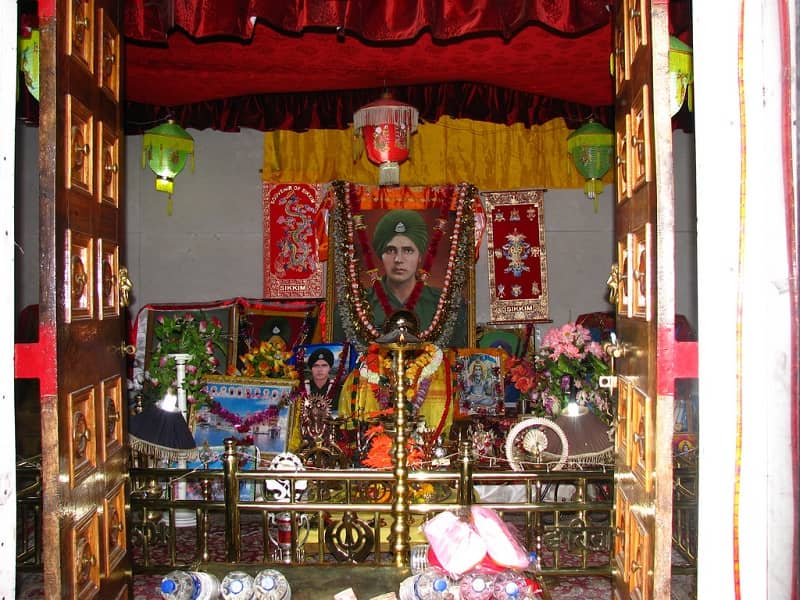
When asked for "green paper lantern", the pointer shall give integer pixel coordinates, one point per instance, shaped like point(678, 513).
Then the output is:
point(681, 75)
point(592, 149)
point(165, 150)
point(28, 50)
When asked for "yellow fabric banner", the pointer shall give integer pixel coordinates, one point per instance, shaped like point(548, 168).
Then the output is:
point(488, 155)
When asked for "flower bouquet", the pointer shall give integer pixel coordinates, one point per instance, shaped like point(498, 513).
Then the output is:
point(192, 334)
point(566, 369)
point(265, 360)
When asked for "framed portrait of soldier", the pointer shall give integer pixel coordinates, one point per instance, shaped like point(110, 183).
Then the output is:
point(402, 248)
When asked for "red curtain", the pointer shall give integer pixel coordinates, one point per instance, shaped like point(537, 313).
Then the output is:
point(375, 20)
point(335, 109)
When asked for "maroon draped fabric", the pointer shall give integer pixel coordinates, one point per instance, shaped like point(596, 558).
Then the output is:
point(290, 64)
point(334, 110)
point(376, 20)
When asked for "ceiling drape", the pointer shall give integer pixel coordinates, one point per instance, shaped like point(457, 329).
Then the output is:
point(375, 20)
point(335, 109)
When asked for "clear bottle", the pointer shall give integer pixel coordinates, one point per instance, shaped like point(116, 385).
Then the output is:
point(434, 584)
point(510, 585)
point(177, 585)
point(270, 584)
point(189, 585)
point(476, 585)
point(237, 585)
point(418, 558)
point(535, 565)
point(206, 585)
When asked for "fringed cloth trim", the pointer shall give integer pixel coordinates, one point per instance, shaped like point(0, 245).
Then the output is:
point(602, 458)
point(161, 452)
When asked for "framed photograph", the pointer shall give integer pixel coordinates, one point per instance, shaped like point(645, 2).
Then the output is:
point(437, 224)
point(256, 412)
point(146, 340)
point(478, 382)
point(514, 341)
point(290, 324)
point(344, 359)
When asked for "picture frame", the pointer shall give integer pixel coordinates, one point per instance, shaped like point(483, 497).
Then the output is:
point(344, 359)
point(145, 340)
point(256, 412)
point(368, 205)
point(515, 340)
point(258, 321)
point(478, 382)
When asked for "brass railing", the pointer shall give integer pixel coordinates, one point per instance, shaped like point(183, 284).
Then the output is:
point(345, 516)
point(29, 514)
point(684, 512)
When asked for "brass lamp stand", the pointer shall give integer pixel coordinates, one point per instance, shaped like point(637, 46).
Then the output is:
point(401, 340)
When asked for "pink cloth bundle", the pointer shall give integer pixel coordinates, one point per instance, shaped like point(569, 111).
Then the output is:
point(459, 545)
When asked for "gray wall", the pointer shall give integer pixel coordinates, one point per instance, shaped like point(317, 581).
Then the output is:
point(210, 248)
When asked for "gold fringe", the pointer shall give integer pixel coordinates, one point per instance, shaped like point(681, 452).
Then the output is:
point(161, 452)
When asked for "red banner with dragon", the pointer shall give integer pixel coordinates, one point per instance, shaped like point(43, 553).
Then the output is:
point(293, 215)
point(517, 256)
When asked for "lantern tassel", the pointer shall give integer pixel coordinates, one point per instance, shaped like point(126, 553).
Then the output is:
point(389, 173)
point(169, 205)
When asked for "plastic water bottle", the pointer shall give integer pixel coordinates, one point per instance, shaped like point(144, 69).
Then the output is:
point(535, 565)
point(237, 585)
point(270, 584)
point(510, 585)
point(476, 585)
point(433, 584)
point(418, 558)
point(189, 585)
point(177, 585)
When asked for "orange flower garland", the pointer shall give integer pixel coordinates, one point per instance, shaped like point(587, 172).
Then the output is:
point(419, 371)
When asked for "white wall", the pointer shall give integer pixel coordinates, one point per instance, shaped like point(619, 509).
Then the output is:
point(210, 248)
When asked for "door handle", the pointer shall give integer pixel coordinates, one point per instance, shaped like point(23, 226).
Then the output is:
point(125, 287)
point(126, 349)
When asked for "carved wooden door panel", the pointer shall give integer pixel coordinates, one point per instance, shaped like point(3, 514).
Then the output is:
point(645, 304)
point(81, 314)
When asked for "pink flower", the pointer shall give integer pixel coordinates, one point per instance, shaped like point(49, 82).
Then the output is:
point(202, 327)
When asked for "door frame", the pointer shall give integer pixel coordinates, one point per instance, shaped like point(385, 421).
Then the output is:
point(748, 363)
point(8, 108)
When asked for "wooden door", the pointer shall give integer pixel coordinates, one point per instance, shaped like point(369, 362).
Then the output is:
point(81, 315)
point(645, 303)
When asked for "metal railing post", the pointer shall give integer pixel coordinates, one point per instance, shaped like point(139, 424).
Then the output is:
point(233, 526)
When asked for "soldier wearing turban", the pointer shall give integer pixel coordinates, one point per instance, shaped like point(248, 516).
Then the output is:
point(400, 241)
point(320, 362)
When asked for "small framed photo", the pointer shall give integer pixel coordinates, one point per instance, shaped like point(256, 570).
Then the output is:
point(256, 412)
point(287, 326)
point(478, 382)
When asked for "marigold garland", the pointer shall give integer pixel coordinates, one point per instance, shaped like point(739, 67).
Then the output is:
point(419, 372)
